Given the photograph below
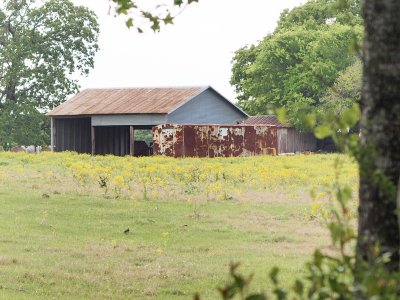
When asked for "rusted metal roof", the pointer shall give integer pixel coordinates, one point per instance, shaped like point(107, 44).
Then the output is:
point(126, 101)
point(265, 120)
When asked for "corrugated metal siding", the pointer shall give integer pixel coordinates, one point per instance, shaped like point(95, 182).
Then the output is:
point(206, 108)
point(72, 134)
point(214, 140)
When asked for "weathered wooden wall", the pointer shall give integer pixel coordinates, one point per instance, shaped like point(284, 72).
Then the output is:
point(291, 141)
point(301, 141)
point(214, 140)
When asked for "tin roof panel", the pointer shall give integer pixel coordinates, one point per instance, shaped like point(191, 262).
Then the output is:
point(125, 101)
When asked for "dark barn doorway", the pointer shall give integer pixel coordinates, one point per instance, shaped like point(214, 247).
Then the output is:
point(121, 141)
point(77, 134)
point(111, 140)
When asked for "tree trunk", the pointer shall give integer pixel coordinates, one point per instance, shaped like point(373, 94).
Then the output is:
point(10, 91)
point(380, 128)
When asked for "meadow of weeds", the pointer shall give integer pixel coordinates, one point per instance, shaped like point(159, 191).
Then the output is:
point(80, 226)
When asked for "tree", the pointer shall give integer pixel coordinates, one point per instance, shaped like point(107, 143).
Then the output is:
point(345, 91)
point(23, 125)
point(295, 65)
point(379, 156)
point(41, 49)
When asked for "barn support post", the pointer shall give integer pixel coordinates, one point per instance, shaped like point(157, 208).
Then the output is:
point(93, 140)
point(131, 140)
point(53, 133)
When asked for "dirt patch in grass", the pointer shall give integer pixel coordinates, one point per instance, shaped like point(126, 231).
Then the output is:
point(6, 261)
point(271, 197)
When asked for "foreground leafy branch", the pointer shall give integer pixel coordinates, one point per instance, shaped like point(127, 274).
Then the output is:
point(140, 18)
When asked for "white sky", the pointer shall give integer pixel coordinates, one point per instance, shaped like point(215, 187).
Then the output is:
point(196, 50)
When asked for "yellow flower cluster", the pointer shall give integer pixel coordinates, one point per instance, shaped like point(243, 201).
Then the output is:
point(211, 179)
point(187, 178)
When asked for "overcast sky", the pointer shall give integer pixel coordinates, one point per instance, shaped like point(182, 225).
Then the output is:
point(196, 50)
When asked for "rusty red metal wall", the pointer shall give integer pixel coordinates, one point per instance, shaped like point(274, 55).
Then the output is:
point(214, 140)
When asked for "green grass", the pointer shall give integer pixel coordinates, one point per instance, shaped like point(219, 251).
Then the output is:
point(71, 244)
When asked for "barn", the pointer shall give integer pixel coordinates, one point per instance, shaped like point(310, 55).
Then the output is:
point(289, 139)
point(103, 121)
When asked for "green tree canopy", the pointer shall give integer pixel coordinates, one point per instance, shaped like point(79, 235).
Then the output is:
point(42, 49)
point(345, 91)
point(295, 65)
point(23, 125)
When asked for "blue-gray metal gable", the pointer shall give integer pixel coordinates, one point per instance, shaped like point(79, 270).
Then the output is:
point(209, 107)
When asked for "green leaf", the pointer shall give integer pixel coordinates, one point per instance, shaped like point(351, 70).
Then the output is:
point(344, 194)
point(322, 131)
point(178, 2)
point(310, 120)
point(351, 116)
point(256, 297)
point(313, 194)
point(298, 287)
point(274, 275)
point(280, 294)
point(129, 23)
point(156, 25)
point(168, 19)
point(281, 115)
point(318, 257)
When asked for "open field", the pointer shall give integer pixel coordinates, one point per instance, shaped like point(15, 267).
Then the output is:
point(63, 217)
